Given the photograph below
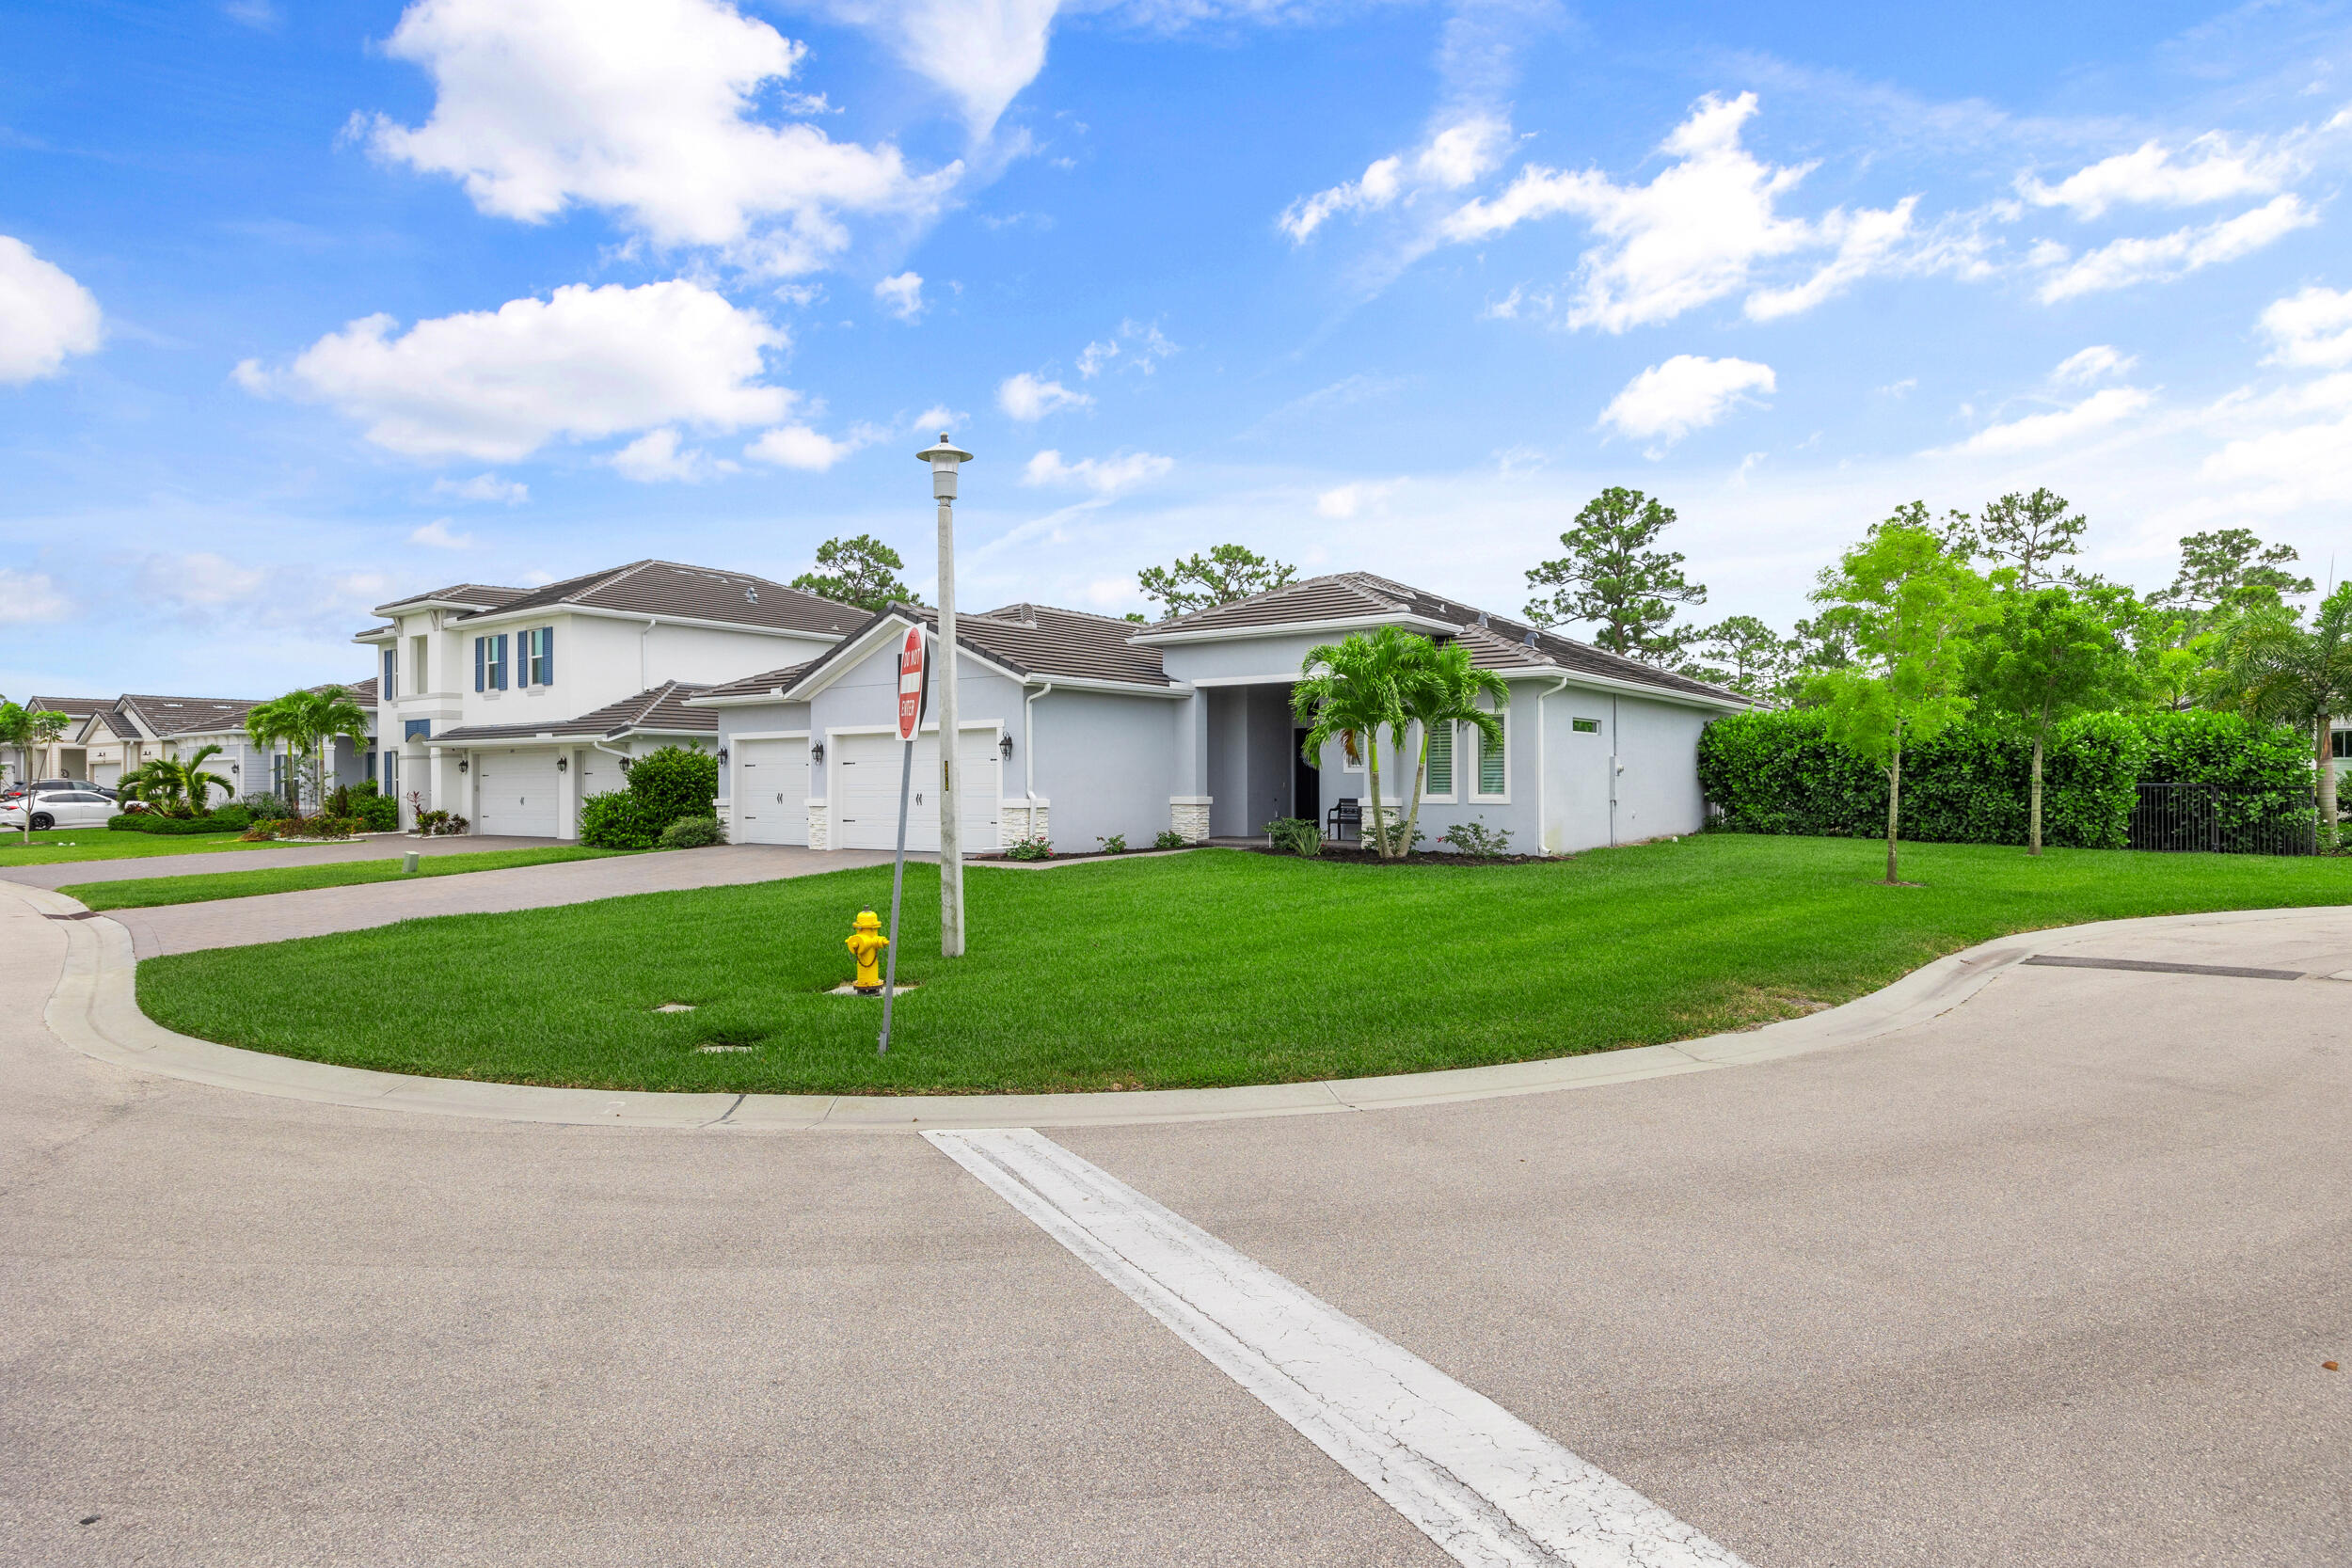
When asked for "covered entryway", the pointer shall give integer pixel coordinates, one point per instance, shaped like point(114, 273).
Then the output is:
point(514, 794)
point(770, 793)
point(865, 810)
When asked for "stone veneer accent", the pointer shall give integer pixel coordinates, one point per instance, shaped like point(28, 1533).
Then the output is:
point(817, 828)
point(1189, 815)
point(1017, 819)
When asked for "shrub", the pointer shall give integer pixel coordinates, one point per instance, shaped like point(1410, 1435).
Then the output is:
point(1170, 839)
point(615, 820)
point(1477, 841)
point(381, 813)
point(266, 807)
point(338, 803)
point(155, 822)
point(232, 816)
point(694, 833)
point(261, 832)
point(1115, 845)
point(439, 824)
point(672, 783)
point(1030, 850)
point(1295, 834)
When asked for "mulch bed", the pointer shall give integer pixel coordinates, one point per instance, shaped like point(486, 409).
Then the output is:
point(1350, 855)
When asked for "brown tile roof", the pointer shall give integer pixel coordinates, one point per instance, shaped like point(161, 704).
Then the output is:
point(1495, 641)
point(662, 708)
point(118, 724)
point(484, 596)
point(361, 693)
point(167, 717)
point(767, 683)
point(72, 707)
point(696, 593)
point(1027, 640)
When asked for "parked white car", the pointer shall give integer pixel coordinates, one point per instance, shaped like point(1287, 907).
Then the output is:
point(60, 808)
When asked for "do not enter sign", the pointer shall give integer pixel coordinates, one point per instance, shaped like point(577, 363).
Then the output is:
point(911, 683)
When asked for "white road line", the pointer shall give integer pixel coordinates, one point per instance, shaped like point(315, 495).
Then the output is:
point(1486, 1486)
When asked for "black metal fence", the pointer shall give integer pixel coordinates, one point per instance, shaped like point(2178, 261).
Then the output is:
point(2225, 819)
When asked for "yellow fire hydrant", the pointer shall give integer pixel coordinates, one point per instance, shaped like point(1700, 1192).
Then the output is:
point(866, 944)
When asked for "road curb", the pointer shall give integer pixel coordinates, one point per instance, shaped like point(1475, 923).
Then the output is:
point(95, 1010)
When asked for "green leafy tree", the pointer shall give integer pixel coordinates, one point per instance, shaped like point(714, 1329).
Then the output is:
point(1913, 604)
point(861, 571)
point(2272, 667)
point(1350, 691)
point(1227, 573)
point(1746, 655)
point(2050, 657)
point(1442, 687)
point(2230, 567)
point(1612, 578)
point(191, 782)
point(2026, 534)
point(29, 730)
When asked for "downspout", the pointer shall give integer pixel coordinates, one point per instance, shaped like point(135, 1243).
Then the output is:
point(1616, 767)
point(1028, 752)
point(1543, 765)
point(644, 677)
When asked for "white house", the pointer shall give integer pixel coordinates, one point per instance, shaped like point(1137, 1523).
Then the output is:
point(508, 706)
point(1077, 726)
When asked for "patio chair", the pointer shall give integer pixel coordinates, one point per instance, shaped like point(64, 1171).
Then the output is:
point(1345, 820)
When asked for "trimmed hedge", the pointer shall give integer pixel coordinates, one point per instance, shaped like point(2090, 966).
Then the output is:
point(228, 819)
point(665, 786)
point(615, 820)
point(694, 833)
point(1779, 772)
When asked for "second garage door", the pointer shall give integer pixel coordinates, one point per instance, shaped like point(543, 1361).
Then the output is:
point(514, 794)
point(866, 816)
point(770, 792)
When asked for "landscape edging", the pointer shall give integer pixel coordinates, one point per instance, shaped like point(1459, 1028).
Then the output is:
point(95, 1010)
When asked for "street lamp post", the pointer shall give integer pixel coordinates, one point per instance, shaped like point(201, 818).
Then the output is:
point(943, 459)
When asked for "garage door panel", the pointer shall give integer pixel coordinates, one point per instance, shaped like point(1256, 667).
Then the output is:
point(770, 801)
point(514, 794)
point(865, 813)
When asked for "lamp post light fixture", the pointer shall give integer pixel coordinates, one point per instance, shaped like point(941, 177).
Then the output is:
point(943, 459)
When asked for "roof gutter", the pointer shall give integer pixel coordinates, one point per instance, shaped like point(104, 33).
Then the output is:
point(1613, 684)
point(1288, 628)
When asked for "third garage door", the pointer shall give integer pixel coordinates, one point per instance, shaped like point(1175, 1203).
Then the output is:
point(770, 792)
point(514, 794)
point(867, 813)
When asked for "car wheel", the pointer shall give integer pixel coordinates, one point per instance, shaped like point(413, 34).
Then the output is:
point(42, 821)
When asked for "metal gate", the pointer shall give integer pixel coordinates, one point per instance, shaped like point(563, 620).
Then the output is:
point(2225, 819)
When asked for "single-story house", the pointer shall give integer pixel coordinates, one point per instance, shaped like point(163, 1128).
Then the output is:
point(114, 737)
point(1078, 726)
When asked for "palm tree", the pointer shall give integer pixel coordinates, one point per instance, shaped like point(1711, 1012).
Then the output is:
point(2272, 667)
point(1445, 690)
point(195, 784)
point(313, 720)
point(154, 782)
point(1350, 691)
point(266, 723)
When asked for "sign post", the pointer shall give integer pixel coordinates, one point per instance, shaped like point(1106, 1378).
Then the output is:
point(910, 721)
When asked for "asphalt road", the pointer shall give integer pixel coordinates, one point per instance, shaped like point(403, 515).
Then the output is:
point(2047, 1280)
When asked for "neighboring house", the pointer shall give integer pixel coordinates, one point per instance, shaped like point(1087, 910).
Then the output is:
point(64, 757)
point(1078, 726)
point(134, 730)
point(509, 705)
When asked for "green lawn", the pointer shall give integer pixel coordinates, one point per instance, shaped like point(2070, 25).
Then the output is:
point(104, 843)
point(141, 892)
point(1206, 969)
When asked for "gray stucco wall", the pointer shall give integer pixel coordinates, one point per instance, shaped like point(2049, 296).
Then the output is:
point(1107, 762)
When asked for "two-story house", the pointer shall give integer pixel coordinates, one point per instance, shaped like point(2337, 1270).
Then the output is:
point(509, 705)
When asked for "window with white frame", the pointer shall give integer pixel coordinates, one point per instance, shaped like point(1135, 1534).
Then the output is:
point(391, 676)
point(1493, 779)
point(534, 651)
point(489, 663)
point(1438, 771)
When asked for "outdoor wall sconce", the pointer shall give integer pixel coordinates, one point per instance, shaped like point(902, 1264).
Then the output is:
point(562, 765)
point(235, 767)
point(1003, 745)
point(463, 764)
point(817, 752)
point(723, 757)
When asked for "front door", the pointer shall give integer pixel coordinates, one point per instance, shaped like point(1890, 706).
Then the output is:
point(1306, 780)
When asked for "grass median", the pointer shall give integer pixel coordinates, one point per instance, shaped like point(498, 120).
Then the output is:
point(143, 893)
point(104, 844)
point(1197, 970)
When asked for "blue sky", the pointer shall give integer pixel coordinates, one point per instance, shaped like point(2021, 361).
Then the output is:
point(304, 307)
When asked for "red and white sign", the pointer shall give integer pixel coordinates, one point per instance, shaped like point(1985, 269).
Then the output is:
point(911, 683)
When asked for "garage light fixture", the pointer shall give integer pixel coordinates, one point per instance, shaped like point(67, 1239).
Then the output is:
point(463, 765)
point(817, 752)
point(723, 757)
point(1003, 745)
point(562, 765)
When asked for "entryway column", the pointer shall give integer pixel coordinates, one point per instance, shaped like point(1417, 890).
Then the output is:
point(1188, 808)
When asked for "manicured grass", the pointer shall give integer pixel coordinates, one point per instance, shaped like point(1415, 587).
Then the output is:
point(104, 843)
point(141, 892)
point(1206, 969)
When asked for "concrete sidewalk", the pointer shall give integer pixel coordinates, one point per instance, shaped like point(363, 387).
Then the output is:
point(373, 847)
point(278, 916)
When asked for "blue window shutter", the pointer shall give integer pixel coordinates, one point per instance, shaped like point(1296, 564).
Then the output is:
point(501, 662)
point(477, 662)
point(546, 647)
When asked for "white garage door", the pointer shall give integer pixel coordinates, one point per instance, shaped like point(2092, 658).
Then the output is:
point(515, 793)
point(770, 792)
point(866, 816)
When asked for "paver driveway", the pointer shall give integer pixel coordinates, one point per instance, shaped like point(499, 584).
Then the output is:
point(2048, 1279)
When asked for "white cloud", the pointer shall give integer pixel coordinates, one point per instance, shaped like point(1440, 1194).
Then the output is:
point(2092, 364)
point(1105, 475)
point(31, 599)
point(982, 55)
point(1687, 392)
point(2209, 169)
point(798, 445)
point(2313, 327)
point(2124, 262)
point(647, 107)
point(483, 487)
point(1695, 232)
point(1346, 501)
point(903, 296)
point(658, 456)
point(1455, 157)
point(1027, 398)
point(1139, 345)
point(437, 535)
point(204, 589)
point(2304, 466)
point(2038, 432)
point(583, 364)
point(44, 315)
